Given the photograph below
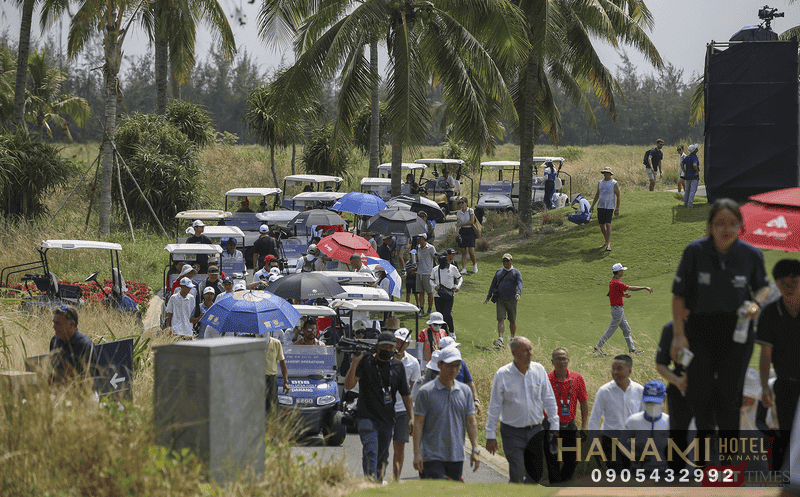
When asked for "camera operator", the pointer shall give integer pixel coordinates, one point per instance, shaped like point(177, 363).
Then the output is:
point(381, 377)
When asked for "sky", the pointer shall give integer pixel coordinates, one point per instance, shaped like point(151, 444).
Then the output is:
point(682, 30)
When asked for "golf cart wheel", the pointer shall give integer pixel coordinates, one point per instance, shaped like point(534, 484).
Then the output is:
point(334, 431)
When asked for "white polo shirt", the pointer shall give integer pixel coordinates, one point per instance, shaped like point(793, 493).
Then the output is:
point(181, 309)
point(615, 405)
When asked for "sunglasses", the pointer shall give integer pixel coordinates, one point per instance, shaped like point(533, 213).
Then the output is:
point(506, 260)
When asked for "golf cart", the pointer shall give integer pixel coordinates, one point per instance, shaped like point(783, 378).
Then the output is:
point(382, 187)
point(406, 168)
point(435, 188)
point(314, 200)
point(55, 294)
point(351, 311)
point(314, 394)
point(184, 252)
point(246, 219)
point(498, 186)
point(307, 183)
point(205, 215)
point(349, 277)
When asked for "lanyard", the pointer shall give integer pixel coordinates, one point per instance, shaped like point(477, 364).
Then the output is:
point(385, 386)
point(569, 392)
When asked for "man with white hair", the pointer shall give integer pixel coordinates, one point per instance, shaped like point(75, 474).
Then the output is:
point(401, 435)
point(179, 310)
point(521, 392)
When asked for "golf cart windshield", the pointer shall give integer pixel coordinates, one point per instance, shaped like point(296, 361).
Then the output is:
point(310, 361)
point(314, 200)
point(295, 183)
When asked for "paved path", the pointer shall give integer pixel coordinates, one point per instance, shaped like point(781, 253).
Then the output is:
point(493, 469)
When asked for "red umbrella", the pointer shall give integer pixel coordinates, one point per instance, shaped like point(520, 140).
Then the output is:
point(772, 220)
point(340, 246)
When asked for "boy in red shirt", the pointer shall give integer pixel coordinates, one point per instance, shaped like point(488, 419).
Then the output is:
point(617, 290)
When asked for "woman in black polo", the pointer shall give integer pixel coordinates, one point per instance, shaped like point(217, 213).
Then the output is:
point(716, 275)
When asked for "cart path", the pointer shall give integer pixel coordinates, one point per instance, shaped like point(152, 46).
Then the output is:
point(152, 318)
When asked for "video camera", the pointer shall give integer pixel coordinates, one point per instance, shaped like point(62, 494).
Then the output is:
point(354, 346)
point(767, 15)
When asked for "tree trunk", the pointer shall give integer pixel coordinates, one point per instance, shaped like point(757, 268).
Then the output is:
point(113, 55)
point(397, 160)
point(161, 63)
point(176, 87)
point(294, 154)
point(272, 164)
point(526, 145)
point(22, 63)
point(375, 116)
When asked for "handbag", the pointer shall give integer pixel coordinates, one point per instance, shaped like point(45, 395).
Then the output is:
point(477, 228)
point(444, 292)
point(496, 295)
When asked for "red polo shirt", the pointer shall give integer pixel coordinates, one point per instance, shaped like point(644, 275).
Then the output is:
point(615, 290)
point(561, 389)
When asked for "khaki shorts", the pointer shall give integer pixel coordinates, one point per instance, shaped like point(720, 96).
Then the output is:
point(424, 283)
point(651, 174)
point(507, 307)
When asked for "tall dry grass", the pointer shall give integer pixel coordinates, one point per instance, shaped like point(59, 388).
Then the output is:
point(60, 441)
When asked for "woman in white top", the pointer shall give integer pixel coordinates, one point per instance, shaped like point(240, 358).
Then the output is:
point(607, 192)
point(465, 222)
point(446, 280)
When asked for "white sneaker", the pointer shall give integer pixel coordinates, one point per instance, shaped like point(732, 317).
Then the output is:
point(474, 268)
point(464, 271)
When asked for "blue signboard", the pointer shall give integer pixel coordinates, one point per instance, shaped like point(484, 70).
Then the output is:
point(115, 367)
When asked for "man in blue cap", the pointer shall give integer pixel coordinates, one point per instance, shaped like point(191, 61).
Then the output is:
point(651, 424)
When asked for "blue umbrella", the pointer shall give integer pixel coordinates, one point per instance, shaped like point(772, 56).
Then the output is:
point(392, 275)
point(255, 312)
point(361, 204)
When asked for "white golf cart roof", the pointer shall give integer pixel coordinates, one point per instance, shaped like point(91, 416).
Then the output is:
point(354, 292)
point(348, 277)
point(374, 305)
point(193, 248)
point(318, 196)
point(80, 244)
point(311, 178)
point(281, 216)
point(453, 162)
point(314, 310)
point(548, 159)
point(413, 166)
point(253, 192)
point(377, 182)
point(204, 215)
point(500, 164)
point(223, 232)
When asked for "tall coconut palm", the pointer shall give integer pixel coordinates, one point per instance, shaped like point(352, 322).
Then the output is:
point(22, 60)
point(462, 45)
point(172, 25)
point(561, 38)
point(46, 103)
point(112, 18)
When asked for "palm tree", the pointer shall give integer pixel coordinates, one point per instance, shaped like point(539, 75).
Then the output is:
point(171, 24)
point(562, 53)
point(113, 19)
point(464, 46)
point(22, 61)
point(46, 103)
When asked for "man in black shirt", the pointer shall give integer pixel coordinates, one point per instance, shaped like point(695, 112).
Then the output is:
point(262, 247)
point(380, 377)
point(73, 352)
point(198, 237)
point(654, 166)
point(779, 336)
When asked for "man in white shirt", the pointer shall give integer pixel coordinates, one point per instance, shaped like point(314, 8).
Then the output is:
point(615, 402)
point(520, 391)
point(179, 310)
point(400, 436)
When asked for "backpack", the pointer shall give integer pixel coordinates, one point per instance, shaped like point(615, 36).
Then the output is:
point(308, 266)
point(646, 160)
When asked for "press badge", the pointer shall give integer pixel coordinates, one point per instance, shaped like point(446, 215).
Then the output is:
point(739, 281)
point(565, 409)
point(387, 398)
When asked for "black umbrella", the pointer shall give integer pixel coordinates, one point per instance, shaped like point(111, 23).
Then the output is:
point(397, 223)
point(416, 203)
point(317, 217)
point(305, 286)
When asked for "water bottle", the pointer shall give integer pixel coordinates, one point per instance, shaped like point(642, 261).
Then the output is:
point(414, 256)
point(742, 324)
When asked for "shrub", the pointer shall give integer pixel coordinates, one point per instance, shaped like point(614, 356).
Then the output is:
point(29, 172)
point(165, 164)
point(571, 153)
point(554, 217)
point(192, 120)
point(320, 158)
